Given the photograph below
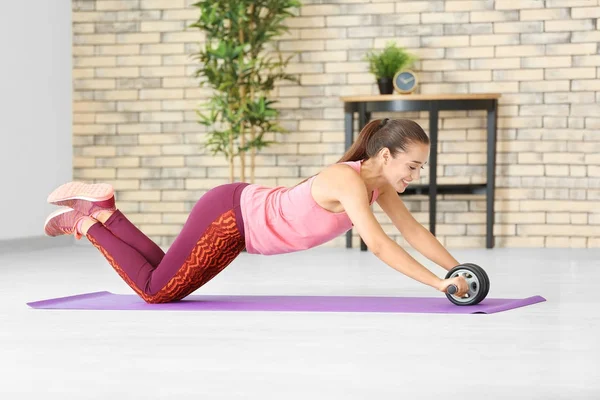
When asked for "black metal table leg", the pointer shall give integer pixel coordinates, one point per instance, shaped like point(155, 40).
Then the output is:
point(433, 138)
point(492, 116)
point(348, 140)
point(363, 119)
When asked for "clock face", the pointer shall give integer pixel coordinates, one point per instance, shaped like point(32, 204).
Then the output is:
point(405, 81)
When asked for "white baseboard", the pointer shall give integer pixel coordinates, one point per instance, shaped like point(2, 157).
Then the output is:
point(35, 243)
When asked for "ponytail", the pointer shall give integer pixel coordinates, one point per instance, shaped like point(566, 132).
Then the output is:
point(358, 150)
point(395, 135)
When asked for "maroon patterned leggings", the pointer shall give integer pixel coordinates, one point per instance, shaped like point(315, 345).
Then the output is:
point(210, 240)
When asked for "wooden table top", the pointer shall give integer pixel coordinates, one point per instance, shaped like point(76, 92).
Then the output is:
point(410, 97)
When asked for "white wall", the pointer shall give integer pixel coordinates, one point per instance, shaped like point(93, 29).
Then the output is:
point(35, 110)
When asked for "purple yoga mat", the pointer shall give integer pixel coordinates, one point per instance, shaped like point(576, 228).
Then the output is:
point(111, 301)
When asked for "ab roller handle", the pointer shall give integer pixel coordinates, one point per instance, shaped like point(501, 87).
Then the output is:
point(452, 289)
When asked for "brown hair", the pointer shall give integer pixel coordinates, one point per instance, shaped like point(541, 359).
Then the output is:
point(395, 134)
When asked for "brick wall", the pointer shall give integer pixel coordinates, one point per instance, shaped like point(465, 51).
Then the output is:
point(135, 124)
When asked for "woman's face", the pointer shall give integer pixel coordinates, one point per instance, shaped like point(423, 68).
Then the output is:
point(405, 167)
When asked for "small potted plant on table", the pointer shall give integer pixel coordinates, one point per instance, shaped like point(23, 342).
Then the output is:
point(386, 64)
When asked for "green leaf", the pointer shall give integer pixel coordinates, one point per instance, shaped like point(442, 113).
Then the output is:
point(389, 61)
point(225, 65)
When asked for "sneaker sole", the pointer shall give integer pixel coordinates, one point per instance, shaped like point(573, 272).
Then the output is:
point(93, 192)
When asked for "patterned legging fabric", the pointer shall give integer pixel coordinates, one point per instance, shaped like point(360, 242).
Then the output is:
point(211, 238)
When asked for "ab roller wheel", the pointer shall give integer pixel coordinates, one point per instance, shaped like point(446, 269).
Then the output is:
point(477, 281)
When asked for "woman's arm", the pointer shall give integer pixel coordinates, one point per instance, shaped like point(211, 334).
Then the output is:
point(427, 244)
point(414, 233)
point(347, 187)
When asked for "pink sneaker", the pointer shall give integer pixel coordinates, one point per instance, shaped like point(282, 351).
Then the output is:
point(64, 222)
point(86, 198)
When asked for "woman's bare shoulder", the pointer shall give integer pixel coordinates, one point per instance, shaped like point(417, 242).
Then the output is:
point(339, 171)
point(338, 179)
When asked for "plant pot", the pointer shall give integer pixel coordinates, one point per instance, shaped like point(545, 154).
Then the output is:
point(386, 85)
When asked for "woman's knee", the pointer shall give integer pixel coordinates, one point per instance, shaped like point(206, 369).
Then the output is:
point(156, 299)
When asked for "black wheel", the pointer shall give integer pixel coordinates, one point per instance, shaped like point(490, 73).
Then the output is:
point(485, 278)
point(477, 280)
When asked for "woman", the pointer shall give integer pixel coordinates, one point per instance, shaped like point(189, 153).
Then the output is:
point(386, 157)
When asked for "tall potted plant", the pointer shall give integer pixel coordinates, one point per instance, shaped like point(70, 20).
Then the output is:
point(240, 64)
point(386, 63)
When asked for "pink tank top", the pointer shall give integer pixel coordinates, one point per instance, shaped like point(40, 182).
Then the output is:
point(282, 220)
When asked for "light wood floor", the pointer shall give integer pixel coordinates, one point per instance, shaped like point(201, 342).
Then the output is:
point(545, 351)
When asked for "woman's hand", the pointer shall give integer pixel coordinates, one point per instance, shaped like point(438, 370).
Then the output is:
point(460, 282)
